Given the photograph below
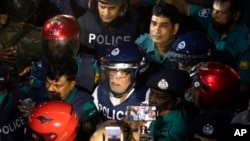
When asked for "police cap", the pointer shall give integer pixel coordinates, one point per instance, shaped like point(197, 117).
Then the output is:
point(172, 81)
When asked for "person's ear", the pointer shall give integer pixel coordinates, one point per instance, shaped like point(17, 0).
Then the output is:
point(176, 28)
point(72, 84)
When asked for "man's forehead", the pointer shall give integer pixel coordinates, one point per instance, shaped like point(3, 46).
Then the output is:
point(221, 4)
point(61, 80)
point(160, 19)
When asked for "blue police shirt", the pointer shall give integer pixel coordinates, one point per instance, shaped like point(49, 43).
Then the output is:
point(148, 45)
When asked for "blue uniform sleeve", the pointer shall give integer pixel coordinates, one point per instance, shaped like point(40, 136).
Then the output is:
point(89, 118)
point(202, 15)
point(243, 66)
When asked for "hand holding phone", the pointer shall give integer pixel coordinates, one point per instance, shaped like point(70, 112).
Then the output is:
point(113, 133)
point(141, 113)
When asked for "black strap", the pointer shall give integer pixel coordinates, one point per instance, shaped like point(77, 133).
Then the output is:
point(86, 75)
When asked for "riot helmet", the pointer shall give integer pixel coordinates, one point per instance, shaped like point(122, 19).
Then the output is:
point(19, 10)
point(126, 60)
point(217, 84)
point(61, 36)
point(192, 48)
point(54, 121)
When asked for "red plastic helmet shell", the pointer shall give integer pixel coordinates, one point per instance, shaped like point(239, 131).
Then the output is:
point(54, 121)
point(61, 27)
point(61, 36)
point(219, 83)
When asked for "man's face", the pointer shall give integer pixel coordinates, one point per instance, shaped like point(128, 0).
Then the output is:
point(222, 17)
point(162, 101)
point(59, 90)
point(119, 80)
point(162, 31)
point(58, 48)
point(108, 12)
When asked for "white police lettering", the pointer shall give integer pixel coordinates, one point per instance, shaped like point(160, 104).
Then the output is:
point(111, 114)
point(107, 40)
point(12, 126)
point(240, 132)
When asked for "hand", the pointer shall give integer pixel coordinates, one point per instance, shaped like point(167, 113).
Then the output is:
point(26, 106)
point(25, 71)
point(8, 55)
point(107, 123)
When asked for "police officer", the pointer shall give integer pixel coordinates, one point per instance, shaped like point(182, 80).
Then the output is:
point(190, 49)
point(124, 69)
point(12, 123)
point(231, 37)
point(167, 88)
point(60, 85)
point(164, 26)
point(106, 23)
point(60, 38)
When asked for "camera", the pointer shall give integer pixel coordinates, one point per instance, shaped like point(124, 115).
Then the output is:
point(113, 133)
point(141, 113)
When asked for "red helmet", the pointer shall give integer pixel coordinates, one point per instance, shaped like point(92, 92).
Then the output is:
point(61, 36)
point(54, 121)
point(218, 83)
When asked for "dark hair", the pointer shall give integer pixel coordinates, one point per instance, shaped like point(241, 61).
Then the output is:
point(62, 67)
point(235, 5)
point(166, 10)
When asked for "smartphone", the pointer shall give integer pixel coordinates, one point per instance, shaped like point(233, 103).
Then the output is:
point(113, 133)
point(141, 113)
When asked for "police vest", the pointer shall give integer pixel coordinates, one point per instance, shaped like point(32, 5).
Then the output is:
point(12, 122)
point(99, 37)
point(109, 111)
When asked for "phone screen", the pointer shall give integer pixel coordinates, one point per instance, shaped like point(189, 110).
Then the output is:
point(113, 133)
point(141, 113)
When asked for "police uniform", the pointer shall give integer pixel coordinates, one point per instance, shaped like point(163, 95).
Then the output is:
point(167, 127)
point(86, 110)
point(108, 110)
point(148, 45)
point(99, 37)
point(81, 101)
point(234, 49)
point(12, 123)
point(87, 77)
